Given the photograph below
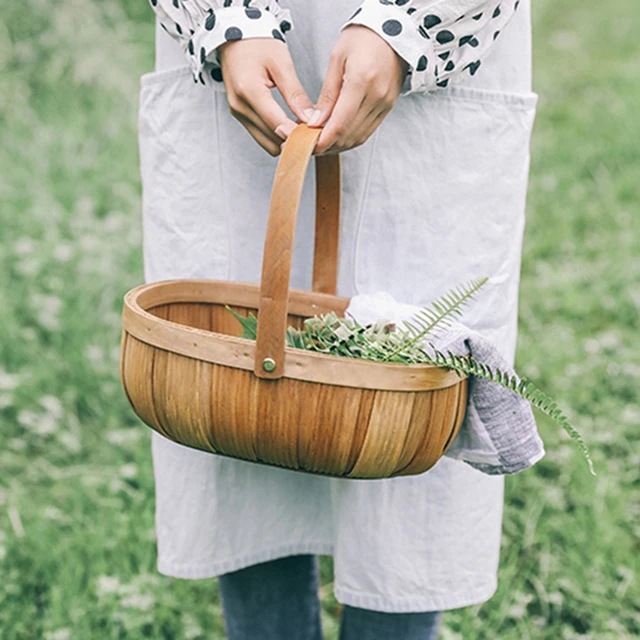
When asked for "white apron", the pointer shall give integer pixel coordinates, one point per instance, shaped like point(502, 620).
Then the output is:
point(436, 197)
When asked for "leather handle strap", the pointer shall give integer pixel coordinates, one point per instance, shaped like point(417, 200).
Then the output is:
point(278, 247)
point(325, 254)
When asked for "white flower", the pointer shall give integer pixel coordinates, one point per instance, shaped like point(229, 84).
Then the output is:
point(592, 346)
point(95, 354)
point(138, 601)
point(53, 513)
point(8, 381)
point(191, 627)
point(47, 308)
point(24, 246)
point(42, 424)
point(128, 471)
point(63, 252)
point(124, 436)
point(53, 406)
point(59, 634)
point(17, 444)
point(106, 585)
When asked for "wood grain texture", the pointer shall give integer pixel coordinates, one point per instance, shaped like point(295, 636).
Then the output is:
point(234, 411)
point(137, 379)
point(438, 425)
point(219, 348)
point(278, 246)
point(328, 428)
point(281, 403)
point(418, 421)
point(327, 224)
point(189, 376)
point(386, 433)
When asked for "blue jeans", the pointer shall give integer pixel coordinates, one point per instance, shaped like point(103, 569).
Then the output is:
point(278, 600)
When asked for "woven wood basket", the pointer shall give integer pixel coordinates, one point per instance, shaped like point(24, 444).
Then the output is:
point(189, 377)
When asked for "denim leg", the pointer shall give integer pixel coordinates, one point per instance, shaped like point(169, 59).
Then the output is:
point(363, 624)
point(276, 600)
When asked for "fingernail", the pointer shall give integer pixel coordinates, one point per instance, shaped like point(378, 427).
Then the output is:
point(315, 119)
point(284, 130)
point(308, 114)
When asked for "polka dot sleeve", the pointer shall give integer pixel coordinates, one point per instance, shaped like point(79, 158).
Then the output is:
point(442, 40)
point(201, 26)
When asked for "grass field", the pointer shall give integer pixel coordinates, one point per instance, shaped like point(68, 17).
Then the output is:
point(77, 550)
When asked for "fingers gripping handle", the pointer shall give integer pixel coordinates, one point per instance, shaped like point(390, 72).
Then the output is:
point(278, 247)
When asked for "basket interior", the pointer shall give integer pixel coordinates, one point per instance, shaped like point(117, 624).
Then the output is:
point(211, 316)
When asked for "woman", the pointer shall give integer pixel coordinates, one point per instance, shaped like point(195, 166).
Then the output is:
point(440, 92)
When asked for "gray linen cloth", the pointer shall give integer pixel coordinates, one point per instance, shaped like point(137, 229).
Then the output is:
point(499, 434)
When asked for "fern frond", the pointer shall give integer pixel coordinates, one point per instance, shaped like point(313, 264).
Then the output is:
point(439, 314)
point(345, 337)
point(468, 365)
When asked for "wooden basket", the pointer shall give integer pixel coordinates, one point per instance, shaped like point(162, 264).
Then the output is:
point(188, 377)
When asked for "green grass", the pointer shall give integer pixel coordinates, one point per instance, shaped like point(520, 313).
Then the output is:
point(77, 551)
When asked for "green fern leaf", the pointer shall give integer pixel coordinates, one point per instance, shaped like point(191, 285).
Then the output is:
point(249, 324)
point(439, 315)
point(537, 398)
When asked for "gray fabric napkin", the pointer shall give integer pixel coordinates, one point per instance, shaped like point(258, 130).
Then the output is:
point(499, 434)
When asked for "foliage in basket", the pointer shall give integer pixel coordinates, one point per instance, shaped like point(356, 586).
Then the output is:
point(409, 343)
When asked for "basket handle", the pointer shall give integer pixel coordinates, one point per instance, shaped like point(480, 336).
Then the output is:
point(278, 246)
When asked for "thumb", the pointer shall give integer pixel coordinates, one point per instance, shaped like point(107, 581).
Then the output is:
point(329, 92)
point(286, 79)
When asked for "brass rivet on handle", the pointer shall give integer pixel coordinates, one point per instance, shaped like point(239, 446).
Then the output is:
point(268, 364)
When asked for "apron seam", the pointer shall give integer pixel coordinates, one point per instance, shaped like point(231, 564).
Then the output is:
point(385, 604)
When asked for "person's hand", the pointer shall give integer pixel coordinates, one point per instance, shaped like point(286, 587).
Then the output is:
point(362, 85)
point(250, 69)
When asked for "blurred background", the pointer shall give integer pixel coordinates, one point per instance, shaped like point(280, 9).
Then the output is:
point(77, 548)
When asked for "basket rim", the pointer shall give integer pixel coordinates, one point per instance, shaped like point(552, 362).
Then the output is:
point(237, 352)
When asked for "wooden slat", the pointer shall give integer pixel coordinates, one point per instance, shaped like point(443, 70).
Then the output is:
point(222, 320)
point(281, 404)
point(234, 411)
point(295, 321)
point(161, 311)
point(161, 399)
point(204, 422)
point(367, 398)
point(139, 362)
point(328, 424)
point(123, 354)
point(416, 431)
point(460, 413)
point(385, 437)
point(438, 428)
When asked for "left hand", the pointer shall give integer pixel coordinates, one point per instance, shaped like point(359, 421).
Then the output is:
point(362, 85)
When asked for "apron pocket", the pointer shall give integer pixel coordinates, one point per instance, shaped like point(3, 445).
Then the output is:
point(185, 228)
point(444, 202)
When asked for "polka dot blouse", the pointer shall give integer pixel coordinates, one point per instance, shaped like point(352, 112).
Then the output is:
point(441, 40)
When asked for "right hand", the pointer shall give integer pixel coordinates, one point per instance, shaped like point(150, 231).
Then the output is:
point(250, 69)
